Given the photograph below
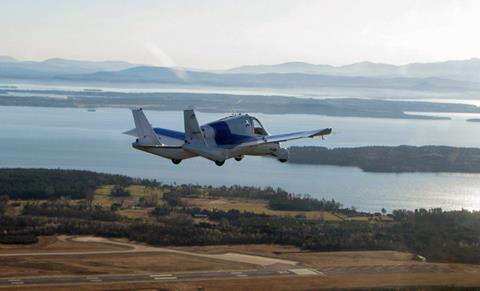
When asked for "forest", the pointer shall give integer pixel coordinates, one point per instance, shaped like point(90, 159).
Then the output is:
point(392, 159)
point(450, 236)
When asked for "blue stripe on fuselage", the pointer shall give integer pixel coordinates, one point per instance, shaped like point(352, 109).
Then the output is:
point(170, 133)
point(225, 138)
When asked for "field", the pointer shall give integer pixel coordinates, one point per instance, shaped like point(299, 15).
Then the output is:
point(63, 255)
point(131, 207)
point(58, 244)
point(199, 256)
point(103, 197)
point(66, 256)
point(261, 207)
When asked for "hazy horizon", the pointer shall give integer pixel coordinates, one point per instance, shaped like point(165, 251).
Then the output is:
point(218, 35)
point(259, 64)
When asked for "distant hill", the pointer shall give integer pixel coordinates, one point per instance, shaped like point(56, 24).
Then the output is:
point(141, 74)
point(467, 70)
point(164, 75)
point(284, 68)
point(7, 59)
point(452, 77)
point(11, 68)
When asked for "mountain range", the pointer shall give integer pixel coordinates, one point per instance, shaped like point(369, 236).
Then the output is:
point(465, 70)
point(161, 75)
point(457, 76)
point(12, 68)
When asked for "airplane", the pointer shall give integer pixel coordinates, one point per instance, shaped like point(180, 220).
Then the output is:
point(234, 136)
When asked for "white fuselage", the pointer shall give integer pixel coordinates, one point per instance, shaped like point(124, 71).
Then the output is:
point(231, 137)
point(221, 137)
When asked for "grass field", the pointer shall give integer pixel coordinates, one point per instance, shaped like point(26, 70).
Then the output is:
point(381, 282)
point(103, 198)
point(110, 264)
point(57, 244)
point(261, 207)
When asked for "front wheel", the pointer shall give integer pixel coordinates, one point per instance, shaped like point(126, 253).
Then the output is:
point(219, 163)
point(176, 161)
point(282, 160)
point(239, 158)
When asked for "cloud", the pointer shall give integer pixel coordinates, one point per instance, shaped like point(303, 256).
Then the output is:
point(163, 60)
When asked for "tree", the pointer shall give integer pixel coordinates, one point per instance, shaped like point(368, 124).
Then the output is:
point(3, 204)
point(152, 197)
point(173, 199)
point(115, 206)
point(89, 200)
point(119, 191)
point(384, 211)
point(162, 210)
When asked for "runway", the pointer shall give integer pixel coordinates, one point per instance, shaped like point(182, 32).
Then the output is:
point(174, 276)
point(261, 266)
point(154, 277)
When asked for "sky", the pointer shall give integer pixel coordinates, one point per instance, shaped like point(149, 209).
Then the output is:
point(213, 34)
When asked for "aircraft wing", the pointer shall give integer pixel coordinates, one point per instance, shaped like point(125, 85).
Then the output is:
point(288, 136)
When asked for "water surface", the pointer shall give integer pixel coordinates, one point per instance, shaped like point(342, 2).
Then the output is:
point(77, 139)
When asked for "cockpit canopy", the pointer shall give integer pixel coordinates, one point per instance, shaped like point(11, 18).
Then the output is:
point(236, 126)
point(258, 127)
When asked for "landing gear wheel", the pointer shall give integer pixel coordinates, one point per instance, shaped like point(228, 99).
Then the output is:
point(282, 160)
point(219, 163)
point(239, 158)
point(176, 161)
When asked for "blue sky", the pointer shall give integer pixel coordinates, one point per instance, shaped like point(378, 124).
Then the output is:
point(220, 34)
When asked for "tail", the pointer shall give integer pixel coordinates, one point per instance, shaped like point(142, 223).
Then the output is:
point(143, 129)
point(193, 133)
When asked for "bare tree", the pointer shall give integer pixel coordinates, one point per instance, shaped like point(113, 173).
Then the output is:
point(3, 204)
point(89, 199)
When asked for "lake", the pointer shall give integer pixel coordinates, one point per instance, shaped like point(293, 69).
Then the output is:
point(77, 139)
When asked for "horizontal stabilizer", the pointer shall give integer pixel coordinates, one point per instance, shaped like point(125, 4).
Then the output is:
point(132, 132)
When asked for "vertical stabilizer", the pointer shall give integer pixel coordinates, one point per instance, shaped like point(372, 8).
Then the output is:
point(145, 133)
point(193, 133)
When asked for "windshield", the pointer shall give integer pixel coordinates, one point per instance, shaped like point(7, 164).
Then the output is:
point(258, 127)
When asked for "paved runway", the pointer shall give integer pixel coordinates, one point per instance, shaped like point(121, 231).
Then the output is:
point(95, 279)
point(266, 267)
point(165, 277)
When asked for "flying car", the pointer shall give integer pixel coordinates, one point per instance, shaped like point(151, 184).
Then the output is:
point(234, 136)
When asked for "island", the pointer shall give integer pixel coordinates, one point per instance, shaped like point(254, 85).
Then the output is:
point(390, 159)
point(219, 102)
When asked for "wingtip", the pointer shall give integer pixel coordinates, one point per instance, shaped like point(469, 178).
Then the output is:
point(326, 131)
